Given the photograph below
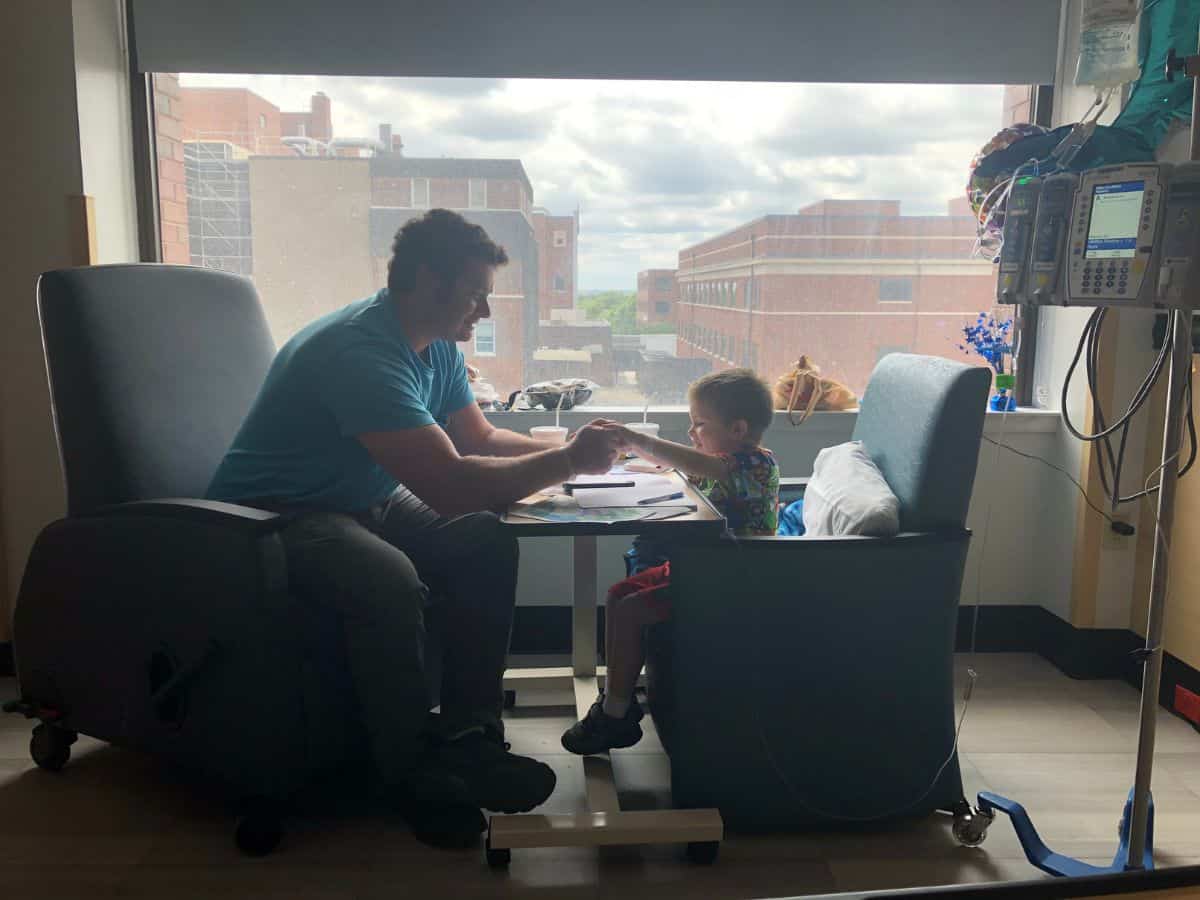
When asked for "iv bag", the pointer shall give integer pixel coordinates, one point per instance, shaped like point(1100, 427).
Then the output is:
point(1108, 43)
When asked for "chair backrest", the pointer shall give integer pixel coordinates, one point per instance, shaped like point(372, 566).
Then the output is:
point(152, 369)
point(921, 421)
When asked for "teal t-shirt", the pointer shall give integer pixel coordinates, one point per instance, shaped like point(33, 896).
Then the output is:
point(347, 373)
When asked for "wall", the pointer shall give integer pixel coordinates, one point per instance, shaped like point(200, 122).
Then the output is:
point(46, 92)
point(1181, 627)
point(102, 88)
point(1013, 557)
point(1094, 584)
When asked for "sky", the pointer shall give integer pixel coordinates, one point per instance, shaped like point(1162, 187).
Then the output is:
point(654, 167)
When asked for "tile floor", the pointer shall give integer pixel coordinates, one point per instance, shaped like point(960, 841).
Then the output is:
point(115, 824)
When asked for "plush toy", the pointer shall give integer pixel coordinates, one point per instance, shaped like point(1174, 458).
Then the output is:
point(803, 390)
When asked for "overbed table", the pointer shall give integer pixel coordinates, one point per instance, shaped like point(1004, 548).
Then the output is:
point(606, 822)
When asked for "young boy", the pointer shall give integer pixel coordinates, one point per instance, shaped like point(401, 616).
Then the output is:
point(729, 410)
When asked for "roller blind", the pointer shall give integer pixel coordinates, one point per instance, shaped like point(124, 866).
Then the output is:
point(947, 41)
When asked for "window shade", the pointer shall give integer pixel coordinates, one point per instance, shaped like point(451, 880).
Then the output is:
point(946, 41)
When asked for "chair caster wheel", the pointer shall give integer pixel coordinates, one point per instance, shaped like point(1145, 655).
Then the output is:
point(258, 833)
point(50, 746)
point(497, 857)
point(510, 699)
point(970, 827)
point(703, 853)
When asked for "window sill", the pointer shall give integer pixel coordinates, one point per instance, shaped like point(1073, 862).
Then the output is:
point(675, 419)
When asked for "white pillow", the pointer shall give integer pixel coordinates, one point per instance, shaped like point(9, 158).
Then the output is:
point(848, 495)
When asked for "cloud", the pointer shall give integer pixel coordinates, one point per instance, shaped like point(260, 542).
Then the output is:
point(493, 122)
point(657, 166)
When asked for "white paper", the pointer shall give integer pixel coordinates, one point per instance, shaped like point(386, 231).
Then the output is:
point(645, 487)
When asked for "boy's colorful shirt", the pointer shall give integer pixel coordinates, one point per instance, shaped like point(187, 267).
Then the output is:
point(748, 495)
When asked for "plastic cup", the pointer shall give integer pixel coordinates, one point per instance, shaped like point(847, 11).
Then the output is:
point(551, 434)
point(650, 428)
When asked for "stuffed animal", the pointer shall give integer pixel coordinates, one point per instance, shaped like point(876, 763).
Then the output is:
point(803, 390)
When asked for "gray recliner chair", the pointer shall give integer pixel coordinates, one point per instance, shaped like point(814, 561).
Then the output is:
point(149, 618)
point(810, 681)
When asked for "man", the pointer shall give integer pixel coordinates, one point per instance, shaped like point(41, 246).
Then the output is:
point(366, 432)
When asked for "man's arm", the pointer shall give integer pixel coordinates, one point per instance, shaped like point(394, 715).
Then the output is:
point(426, 461)
point(474, 435)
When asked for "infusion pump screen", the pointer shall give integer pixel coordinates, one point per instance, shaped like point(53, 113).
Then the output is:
point(1116, 211)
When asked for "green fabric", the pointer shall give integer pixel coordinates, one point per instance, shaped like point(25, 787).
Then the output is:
point(1155, 103)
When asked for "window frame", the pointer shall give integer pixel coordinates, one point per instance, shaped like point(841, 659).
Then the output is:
point(491, 325)
point(412, 193)
point(895, 280)
point(471, 198)
point(150, 235)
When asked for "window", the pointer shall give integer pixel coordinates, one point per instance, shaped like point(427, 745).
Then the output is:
point(420, 193)
point(262, 121)
point(485, 338)
point(784, 238)
point(477, 193)
point(895, 290)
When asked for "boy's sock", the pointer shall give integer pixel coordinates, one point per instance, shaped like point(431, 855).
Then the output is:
point(615, 707)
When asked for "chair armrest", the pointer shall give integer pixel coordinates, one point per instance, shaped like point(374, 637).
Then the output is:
point(245, 519)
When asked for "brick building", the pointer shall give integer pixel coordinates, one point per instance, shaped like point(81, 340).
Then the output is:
point(317, 123)
point(495, 194)
point(657, 293)
point(844, 282)
point(589, 343)
point(172, 180)
point(558, 252)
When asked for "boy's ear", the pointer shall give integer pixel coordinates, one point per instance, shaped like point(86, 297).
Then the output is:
point(739, 428)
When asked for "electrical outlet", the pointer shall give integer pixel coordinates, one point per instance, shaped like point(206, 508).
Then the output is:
point(1119, 535)
point(1041, 397)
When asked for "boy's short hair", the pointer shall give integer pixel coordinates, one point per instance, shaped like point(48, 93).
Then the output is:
point(443, 241)
point(736, 394)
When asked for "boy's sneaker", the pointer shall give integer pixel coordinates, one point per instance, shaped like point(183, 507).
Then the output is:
point(439, 809)
point(599, 732)
point(496, 779)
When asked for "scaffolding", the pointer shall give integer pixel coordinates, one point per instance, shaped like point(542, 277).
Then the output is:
point(217, 173)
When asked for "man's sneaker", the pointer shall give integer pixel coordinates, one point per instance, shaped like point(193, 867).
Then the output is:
point(599, 732)
point(439, 809)
point(496, 779)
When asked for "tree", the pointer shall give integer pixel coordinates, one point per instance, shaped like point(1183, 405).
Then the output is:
point(619, 309)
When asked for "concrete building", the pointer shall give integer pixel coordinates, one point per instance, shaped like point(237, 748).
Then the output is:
point(844, 282)
point(657, 294)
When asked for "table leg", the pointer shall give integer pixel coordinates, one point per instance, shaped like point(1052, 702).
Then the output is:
point(605, 822)
point(583, 646)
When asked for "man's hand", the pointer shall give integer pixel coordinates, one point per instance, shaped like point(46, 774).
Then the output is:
point(594, 448)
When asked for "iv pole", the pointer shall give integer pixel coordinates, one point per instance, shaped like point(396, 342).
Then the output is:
point(1181, 361)
point(1136, 848)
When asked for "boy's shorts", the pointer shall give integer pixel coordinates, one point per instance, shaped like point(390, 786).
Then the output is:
point(653, 584)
